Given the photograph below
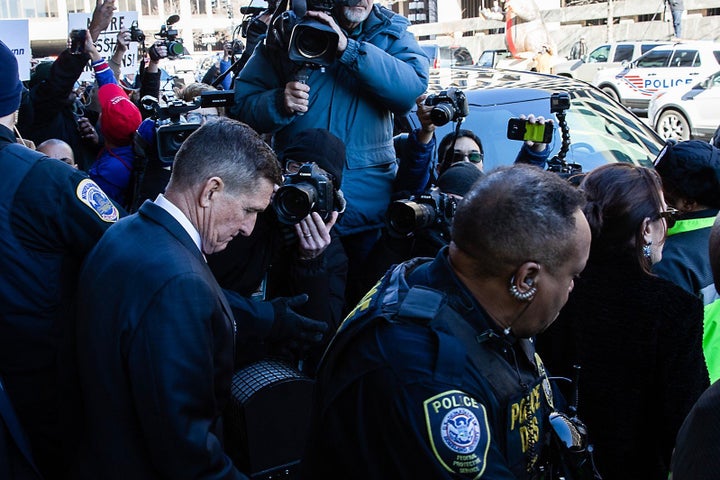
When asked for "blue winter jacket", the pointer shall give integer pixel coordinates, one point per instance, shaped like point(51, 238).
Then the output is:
point(381, 72)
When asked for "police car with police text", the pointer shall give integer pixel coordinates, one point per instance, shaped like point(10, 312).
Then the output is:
point(665, 67)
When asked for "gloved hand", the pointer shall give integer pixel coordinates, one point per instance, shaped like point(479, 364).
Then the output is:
point(289, 325)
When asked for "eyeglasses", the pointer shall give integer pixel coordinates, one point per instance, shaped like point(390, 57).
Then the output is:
point(293, 166)
point(474, 157)
point(670, 216)
point(200, 117)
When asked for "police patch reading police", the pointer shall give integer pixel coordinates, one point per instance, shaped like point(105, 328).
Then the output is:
point(459, 432)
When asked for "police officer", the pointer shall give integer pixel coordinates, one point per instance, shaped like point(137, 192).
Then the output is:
point(51, 214)
point(434, 375)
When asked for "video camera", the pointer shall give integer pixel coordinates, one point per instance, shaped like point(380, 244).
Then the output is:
point(307, 40)
point(309, 190)
point(433, 209)
point(449, 105)
point(170, 37)
point(170, 132)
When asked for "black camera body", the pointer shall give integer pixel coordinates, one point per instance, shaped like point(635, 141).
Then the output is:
point(450, 105)
point(307, 40)
point(136, 35)
point(313, 42)
point(309, 190)
point(77, 41)
point(433, 209)
point(170, 38)
point(171, 135)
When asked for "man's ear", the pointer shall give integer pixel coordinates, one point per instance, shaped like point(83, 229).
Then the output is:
point(210, 188)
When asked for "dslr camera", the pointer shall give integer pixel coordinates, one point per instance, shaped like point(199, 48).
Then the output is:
point(433, 209)
point(170, 36)
point(136, 35)
point(308, 41)
point(449, 105)
point(309, 190)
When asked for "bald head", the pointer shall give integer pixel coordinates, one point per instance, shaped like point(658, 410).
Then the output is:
point(56, 148)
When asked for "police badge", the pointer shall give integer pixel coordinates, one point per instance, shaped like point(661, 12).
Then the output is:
point(89, 193)
point(459, 433)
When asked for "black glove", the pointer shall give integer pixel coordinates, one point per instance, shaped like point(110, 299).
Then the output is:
point(289, 325)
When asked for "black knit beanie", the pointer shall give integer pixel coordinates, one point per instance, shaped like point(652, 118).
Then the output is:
point(320, 146)
point(691, 170)
point(10, 85)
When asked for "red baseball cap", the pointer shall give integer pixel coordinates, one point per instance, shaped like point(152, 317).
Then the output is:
point(120, 117)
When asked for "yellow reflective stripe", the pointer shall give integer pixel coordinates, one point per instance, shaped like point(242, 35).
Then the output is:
point(691, 224)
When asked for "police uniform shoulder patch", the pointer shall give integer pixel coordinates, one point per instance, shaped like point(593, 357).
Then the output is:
point(89, 193)
point(459, 433)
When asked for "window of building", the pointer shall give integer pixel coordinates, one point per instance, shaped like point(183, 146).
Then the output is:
point(75, 6)
point(172, 7)
point(150, 7)
point(199, 6)
point(28, 8)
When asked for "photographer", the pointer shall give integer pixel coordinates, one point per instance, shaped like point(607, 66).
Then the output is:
point(53, 99)
point(295, 272)
point(417, 170)
point(378, 70)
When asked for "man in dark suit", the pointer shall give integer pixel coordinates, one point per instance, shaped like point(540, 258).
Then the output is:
point(156, 337)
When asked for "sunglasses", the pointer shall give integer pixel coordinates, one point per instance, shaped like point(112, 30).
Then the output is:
point(473, 157)
point(670, 216)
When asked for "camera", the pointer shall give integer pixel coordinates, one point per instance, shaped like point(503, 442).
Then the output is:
point(309, 190)
point(171, 134)
point(77, 41)
point(170, 36)
point(449, 105)
point(433, 209)
point(237, 47)
point(308, 41)
point(559, 102)
point(136, 35)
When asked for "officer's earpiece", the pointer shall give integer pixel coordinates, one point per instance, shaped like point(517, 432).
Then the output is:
point(530, 282)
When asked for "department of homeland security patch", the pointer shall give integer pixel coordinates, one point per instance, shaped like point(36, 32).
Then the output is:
point(459, 433)
point(91, 195)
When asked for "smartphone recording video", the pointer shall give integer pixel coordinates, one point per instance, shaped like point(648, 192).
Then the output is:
point(522, 129)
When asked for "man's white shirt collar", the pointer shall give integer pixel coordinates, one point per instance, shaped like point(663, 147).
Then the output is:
point(178, 215)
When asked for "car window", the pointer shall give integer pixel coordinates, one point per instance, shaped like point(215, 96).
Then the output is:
point(462, 56)
point(685, 58)
point(486, 59)
point(623, 53)
point(599, 55)
point(714, 81)
point(647, 46)
point(716, 53)
point(600, 131)
point(654, 59)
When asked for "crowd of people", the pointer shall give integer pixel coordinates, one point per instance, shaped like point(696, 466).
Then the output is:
point(142, 269)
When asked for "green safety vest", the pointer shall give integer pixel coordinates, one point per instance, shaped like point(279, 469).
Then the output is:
point(711, 315)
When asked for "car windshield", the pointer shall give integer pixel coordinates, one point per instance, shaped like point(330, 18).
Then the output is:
point(600, 131)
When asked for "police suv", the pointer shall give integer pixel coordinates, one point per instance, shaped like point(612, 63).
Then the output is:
point(608, 55)
point(662, 68)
